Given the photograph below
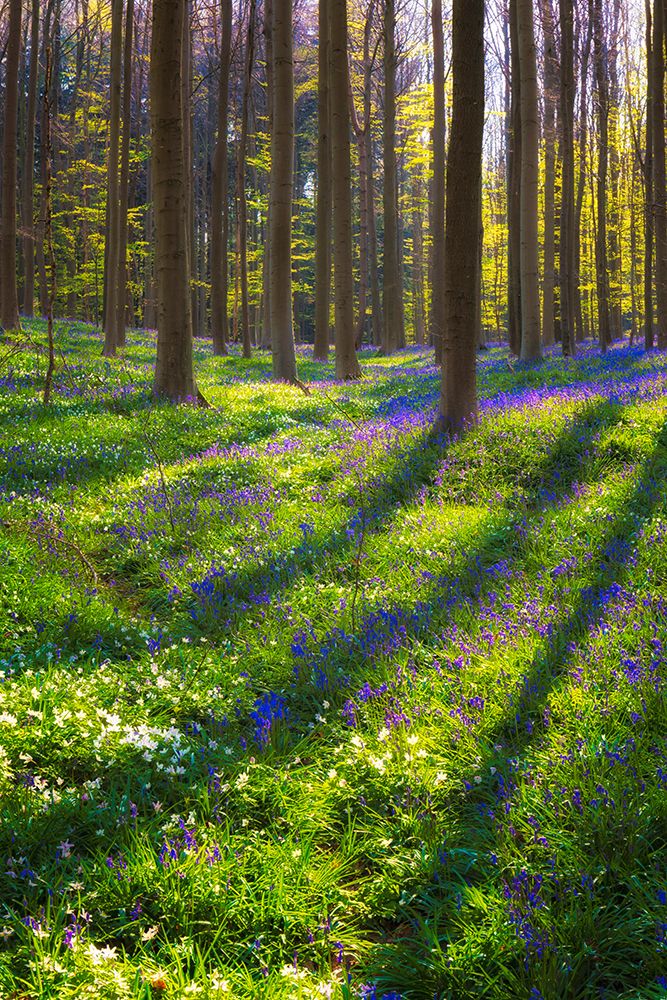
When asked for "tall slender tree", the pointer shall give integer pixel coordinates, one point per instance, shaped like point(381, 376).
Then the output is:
point(438, 205)
point(549, 130)
point(648, 187)
point(458, 401)
point(112, 242)
point(659, 179)
point(124, 184)
point(392, 306)
point(323, 230)
point(530, 143)
point(174, 373)
point(29, 168)
point(566, 251)
point(281, 193)
point(9, 298)
point(347, 365)
point(219, 186)
point(602, 95)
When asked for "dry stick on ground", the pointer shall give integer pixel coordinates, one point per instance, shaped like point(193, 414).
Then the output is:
point(48, 228)
point(57, 540)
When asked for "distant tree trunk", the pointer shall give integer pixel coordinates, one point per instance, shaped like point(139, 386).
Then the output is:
point(125, 173)
point(360, 137)
point(112, 241)
point(29, 175)
point(9, 299)
point(584, 58)
point(266, 274)
point(602, 88)
point(648, 188)
point(241, 183)
point(659, 192)
point(438, 204)
point(374, 281)
point(530, 145)
point(418, 260)
point(458, 405)
point(550, 102)
point(282, 181)
point(347, 365)
point(219, 184)
point(615, 280)
point(567, 218)
point(174, 375)
point(150, 305)
point(393, 286)
point(323, 217)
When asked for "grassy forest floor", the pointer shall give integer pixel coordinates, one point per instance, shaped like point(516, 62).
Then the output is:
point(296, 701)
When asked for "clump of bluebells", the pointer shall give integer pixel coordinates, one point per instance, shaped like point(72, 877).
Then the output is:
point(345, 711)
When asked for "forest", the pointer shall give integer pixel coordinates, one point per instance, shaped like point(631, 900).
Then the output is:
point(333, 499)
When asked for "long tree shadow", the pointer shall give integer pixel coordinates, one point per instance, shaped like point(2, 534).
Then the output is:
point(223, 594)
point(522, 724)
point(326, 661)
point(607, 571)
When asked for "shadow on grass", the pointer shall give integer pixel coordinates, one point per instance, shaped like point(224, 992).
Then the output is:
point(568, 462)
point(522, 726)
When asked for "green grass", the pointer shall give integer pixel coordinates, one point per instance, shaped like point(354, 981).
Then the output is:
point(297, 701)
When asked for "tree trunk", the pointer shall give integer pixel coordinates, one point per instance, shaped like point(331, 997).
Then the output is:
point(347, 365)
point(514, 189)
point(219, 184)
point(566, 262)
point(112, 241)
point(374, 281)
point(530, 144)
point(418, 260)
point(393, 286)
point(615, 263)
point(458, 405)
point(174, 375)
point(550, 101)
point(659, 192)
point(29, 174)
point(648, 189)
point(125, 174)
point(281, 184)
point(266, 263)
point(241, 185)
point(438, 205)
point(602, 89)
point(9, 299)
point(323, 218)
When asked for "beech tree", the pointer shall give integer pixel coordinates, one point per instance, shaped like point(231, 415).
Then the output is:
point(112, 242)
point(323, 231)
point(458, 399)
point(174, 374)
point(659, 179)
point(219, 185)
point(438, 204)
point(347, 365)
point(392, 306)
point(29, 169)
point(9, 298)
point(529, 251)
point(282, 180)
point(567, 213)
